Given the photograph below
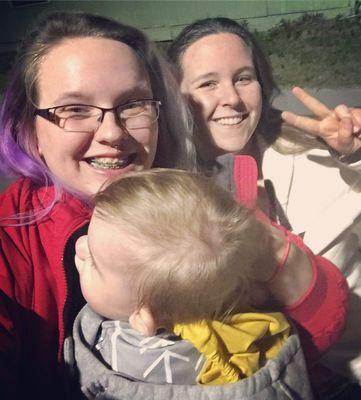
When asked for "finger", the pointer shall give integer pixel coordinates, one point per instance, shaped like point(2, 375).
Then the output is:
point(345, 130)
point(356, 118)
point(306, 124)
point(314, 105)
point(342, 111)
point(345, 136)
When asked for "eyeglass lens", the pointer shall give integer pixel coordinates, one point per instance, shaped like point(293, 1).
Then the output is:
point(133, 116)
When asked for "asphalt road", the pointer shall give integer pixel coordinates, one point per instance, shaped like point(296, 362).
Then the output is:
point(331, 97)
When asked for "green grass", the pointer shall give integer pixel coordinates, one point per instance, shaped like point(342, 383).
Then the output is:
point(315, 52)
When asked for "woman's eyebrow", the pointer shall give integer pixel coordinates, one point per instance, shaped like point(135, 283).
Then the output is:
point(77, 96)
point(247, 69)
point(137, 94)
point(210, 75)
point(207, 75)
point(71, 96)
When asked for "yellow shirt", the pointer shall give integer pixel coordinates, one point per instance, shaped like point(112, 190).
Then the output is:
point(236, 348)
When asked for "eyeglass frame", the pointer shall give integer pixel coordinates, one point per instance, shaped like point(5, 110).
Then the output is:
point(49, 114)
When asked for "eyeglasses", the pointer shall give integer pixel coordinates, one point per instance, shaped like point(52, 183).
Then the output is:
point(137, 114)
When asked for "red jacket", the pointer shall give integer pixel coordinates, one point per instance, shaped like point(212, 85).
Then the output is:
point(34, 290)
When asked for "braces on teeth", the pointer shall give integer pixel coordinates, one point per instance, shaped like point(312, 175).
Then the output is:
point(109, 164)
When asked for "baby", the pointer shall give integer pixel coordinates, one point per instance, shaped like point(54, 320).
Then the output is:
point(170, 269)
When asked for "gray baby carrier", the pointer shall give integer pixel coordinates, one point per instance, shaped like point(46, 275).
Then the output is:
point(283, 377)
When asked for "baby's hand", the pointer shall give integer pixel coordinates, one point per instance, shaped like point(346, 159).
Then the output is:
point(339, 128)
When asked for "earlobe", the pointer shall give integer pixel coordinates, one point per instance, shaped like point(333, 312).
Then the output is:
point(143, 321)
point(81, 247)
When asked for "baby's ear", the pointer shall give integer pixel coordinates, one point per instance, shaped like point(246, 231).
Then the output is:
point(81, 252)
point(143, 321)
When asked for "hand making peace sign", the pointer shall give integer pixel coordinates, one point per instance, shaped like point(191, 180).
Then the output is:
point(339, 128)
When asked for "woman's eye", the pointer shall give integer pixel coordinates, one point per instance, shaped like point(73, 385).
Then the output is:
point(208, 85)
point(134, 108)
point(244, 79)
point(79, 110)
point(136, 104)
point(75, 110)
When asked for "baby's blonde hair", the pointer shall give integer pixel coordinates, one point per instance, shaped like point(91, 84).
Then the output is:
point(196, 246)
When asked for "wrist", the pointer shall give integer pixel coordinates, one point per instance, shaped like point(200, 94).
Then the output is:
point(345, 158)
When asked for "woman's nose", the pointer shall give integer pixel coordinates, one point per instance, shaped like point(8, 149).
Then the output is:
point(110, 132)
point(229, 95)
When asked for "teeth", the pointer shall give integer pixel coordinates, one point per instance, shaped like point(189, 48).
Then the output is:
point(229, 121)
point(108, 163)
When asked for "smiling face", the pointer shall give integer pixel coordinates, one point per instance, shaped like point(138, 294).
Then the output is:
point(219, 78)
point(103, 259)
point(99, 72)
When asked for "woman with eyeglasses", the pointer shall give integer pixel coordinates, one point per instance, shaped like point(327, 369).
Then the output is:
point(89, 100)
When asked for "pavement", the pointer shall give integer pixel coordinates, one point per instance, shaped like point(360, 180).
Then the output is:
point(286, 101)
point(330, 97)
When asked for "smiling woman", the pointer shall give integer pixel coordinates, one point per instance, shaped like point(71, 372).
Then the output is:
point(63, 67)
point(227, 98)
point(89, 99)
point(82, 160)
point(308, 183)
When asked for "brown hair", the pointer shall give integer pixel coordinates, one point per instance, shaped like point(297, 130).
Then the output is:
point(195, 245)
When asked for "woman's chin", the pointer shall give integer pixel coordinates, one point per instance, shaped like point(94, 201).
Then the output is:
point(236, 146)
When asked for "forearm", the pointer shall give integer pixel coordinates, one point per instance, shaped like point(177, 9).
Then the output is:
point(293, 279)
point(289, 273)
point(313, 294)
point(351, 161)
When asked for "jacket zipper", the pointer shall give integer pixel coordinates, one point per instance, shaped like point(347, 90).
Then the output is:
point(61, 322)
